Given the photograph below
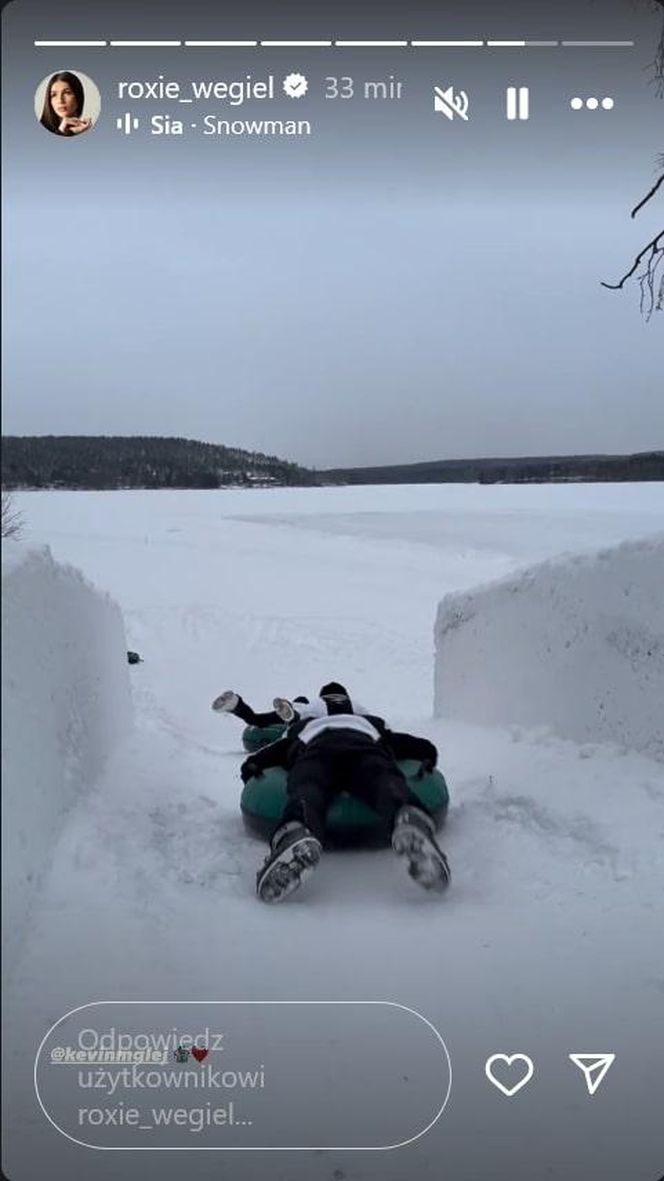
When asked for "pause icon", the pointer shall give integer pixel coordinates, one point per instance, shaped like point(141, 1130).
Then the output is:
point(517, 103)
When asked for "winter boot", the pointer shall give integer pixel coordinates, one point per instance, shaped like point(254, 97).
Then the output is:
point(226, 702)
point(294, 854)
point(284, 709)
point(413, 836)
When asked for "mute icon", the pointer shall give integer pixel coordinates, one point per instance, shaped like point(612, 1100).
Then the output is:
point(450, 103)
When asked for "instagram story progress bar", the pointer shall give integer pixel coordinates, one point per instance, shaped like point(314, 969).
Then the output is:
point(335, 44)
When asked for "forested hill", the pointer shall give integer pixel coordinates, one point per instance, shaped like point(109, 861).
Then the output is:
point(107, 462)
point(94, 461)
point(547, 469)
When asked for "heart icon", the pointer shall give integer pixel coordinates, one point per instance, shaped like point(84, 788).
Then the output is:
point(201, 1052)
point(522, 1074)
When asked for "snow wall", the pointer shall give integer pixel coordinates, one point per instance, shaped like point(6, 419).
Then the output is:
point(575, 644)
point(66, 702)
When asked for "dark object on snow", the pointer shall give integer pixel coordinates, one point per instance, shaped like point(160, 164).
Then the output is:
point(134, 658)
point(349, 821)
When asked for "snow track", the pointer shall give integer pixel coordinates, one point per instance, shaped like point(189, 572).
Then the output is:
point(548, 940)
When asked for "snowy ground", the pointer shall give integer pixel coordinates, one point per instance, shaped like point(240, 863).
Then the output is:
point(550, 940)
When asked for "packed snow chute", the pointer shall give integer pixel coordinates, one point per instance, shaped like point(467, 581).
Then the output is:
point(349, 821)
point(254, 737)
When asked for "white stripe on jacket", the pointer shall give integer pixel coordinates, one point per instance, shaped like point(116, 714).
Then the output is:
point(338, 722)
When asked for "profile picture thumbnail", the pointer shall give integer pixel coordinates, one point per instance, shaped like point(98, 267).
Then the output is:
point(67, 103)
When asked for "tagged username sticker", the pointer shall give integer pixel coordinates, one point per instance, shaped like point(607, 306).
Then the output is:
point(243, 1075)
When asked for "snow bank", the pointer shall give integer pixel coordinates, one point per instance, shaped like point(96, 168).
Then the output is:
point(576, 644)
point(66, 702)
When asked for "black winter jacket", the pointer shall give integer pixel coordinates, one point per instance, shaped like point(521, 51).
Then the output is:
point(285, 751)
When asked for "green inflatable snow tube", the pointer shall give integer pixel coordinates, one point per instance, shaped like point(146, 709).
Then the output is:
point(254, 737)
point(349, 821)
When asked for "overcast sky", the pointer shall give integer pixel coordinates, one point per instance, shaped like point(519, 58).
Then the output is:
point(397, 287)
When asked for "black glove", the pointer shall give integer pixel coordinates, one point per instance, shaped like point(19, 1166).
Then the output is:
point(250, 770)
point(426, 767)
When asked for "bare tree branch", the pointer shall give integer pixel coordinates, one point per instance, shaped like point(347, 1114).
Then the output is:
point(647, 196)
point(658, 64)
point(649, 262)
point(651, 259)
point(650, 286)
point(653, 247)
point(11, 519)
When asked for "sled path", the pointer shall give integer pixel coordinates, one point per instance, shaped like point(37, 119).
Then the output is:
point(549, 940)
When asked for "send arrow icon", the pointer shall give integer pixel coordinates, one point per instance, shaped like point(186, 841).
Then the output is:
point(594, 1067)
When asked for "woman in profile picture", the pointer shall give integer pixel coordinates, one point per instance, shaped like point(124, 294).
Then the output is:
point(64, 101)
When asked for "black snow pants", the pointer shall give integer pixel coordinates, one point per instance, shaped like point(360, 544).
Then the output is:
point(343, 760)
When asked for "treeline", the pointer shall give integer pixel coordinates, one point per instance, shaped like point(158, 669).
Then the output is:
point(108, 462)
point(647, 465)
